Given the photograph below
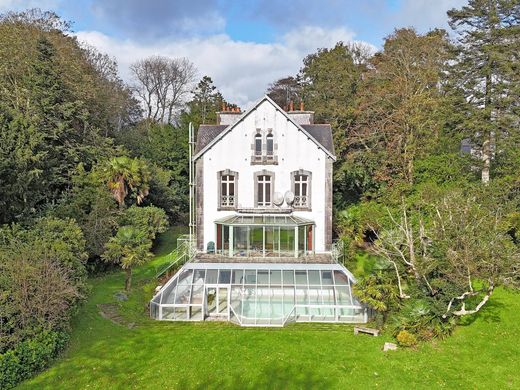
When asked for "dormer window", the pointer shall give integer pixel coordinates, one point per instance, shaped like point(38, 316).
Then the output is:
point(228, 190)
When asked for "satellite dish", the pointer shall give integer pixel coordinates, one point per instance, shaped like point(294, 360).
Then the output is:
point(278, 199)
point(289, 198)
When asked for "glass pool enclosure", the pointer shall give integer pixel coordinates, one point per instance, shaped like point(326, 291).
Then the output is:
point(259, 294)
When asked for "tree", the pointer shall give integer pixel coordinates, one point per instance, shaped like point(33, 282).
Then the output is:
point(285, 90)
point(161, 84)
point(129, 248)
point(487, 72)
point(453, 253)
point(150, 219)
point(401, 108)
point(123, 175)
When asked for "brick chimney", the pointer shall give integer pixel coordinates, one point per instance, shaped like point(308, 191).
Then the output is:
point(228, 115)
point(301, 117)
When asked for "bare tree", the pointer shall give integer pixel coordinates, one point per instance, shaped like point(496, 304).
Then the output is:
point(162, 84)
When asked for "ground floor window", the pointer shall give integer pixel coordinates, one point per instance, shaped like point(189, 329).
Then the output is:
point(264, 241)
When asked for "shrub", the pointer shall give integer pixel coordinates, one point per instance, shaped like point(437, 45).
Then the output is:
point(406, 339)
point(29, 357)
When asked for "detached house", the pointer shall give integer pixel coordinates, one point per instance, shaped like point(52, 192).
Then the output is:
point(263, 218)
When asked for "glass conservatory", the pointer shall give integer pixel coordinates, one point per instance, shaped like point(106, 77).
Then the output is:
point(264, 236)
point(259, 294)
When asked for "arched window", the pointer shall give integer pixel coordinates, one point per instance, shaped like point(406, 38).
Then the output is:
point(270, 145)
point(258, 144)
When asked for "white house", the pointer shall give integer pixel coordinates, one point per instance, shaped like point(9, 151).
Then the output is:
point(263, 205)
point(264, 183)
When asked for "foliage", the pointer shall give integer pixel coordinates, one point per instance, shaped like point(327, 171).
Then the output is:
point(42, 278)
point(29, 357)
point(285, 90)
point(406, 339)
point(150, 220)
point(130, 247)
point(380, 293)
point(124, 176)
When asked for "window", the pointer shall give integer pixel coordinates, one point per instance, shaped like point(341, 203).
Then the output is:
point(263, 190)
point(270, 145)
point(258, 145)
point(301, 181)
point(228, 189)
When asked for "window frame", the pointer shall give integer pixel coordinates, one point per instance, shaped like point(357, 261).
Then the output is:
point(257, 177)
point(220, 176)
point(308, 205)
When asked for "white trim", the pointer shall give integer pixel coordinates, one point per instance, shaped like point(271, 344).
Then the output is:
point(246, 113)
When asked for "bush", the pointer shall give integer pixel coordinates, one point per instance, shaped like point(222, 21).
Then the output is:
point(29, 357)
point(406, 339)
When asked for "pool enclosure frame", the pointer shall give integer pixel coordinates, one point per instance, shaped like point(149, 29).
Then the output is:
point(259, 294)
point(264, 236)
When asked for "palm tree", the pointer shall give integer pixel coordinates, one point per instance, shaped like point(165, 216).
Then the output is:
point(129, 248)
point(124, 174)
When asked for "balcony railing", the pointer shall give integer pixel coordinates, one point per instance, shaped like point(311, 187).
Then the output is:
point(227, 201)
point(300, 201)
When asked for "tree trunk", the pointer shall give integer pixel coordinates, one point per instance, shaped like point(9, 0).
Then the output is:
point(128, 280)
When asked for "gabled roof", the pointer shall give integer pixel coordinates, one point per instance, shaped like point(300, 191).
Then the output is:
point(208, 135)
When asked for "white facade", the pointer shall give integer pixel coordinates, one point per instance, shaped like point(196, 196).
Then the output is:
point(294, 150)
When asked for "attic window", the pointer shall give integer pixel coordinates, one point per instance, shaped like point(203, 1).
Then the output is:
point(270, 145)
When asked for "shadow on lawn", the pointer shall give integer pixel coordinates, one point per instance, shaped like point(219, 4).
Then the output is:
point(489, 313)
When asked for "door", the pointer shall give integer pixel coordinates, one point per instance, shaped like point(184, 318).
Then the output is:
point(217, 301)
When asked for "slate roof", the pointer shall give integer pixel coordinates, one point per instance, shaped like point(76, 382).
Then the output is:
point(206, 134)
point(321, 133)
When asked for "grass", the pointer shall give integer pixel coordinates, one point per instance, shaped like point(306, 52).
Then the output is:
point(483, 353)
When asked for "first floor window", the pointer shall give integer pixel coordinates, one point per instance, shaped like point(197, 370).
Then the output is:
point(301, 189)
point(258, 145)
point(270, 145)
point(227, 194)
point(264, 190)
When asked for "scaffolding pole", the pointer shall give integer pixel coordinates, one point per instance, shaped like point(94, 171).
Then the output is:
point(192, 224)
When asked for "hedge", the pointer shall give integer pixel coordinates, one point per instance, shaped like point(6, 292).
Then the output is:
point(29, 357)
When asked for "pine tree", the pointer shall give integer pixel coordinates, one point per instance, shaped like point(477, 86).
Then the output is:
point(488, 71)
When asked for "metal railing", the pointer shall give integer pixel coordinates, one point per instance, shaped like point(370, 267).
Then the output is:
point(338, 252)
point(184, 253)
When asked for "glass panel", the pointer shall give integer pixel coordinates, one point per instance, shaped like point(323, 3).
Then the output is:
point(256, 241)
point(211, 276)
point(340, 278)
point(304, 189)
point(288, 300)
point(224, 189)
point(238, 276)
point(226, 240)
point(167, 313)
point(263, 277)
point(197, 294)
point(249, 305)
point(314, 277)
point(250, 276)
point(326, 278)
point(181, 313)
point(276, 277)
point(301, 241)
point(183, 294)
point(301, 277)
point(211, 300)
point(343, 296)
point(224, 276)
point(267, 193)
point(260, 193)
point(272, 238)
point(258, 144)
point(222, 300)
point(196, 313)
point(287, 241)
point(231, 188)
point(288, 277)
point(240, 240)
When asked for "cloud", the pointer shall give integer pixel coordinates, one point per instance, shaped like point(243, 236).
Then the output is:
point(241, 70)
point(143, 20)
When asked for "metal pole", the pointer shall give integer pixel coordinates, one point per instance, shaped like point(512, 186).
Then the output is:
point(190, 146)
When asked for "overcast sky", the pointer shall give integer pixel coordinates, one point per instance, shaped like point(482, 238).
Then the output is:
point(242, 45)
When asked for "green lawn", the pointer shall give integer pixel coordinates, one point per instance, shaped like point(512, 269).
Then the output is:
point(484, 353)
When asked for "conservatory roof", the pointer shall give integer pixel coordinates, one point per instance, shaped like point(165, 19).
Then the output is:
point(262, 294)
point(262, 220)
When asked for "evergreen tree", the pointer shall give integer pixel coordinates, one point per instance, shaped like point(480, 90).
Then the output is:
point(488, 70)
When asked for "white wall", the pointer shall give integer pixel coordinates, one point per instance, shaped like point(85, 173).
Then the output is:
point(233, 152)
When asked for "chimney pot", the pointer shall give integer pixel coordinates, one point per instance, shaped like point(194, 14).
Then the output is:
point(291, 106)
point(302, 107)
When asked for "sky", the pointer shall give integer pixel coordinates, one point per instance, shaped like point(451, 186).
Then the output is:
point(242, 45)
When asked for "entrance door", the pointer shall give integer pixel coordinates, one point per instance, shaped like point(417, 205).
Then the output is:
point(217, 301)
